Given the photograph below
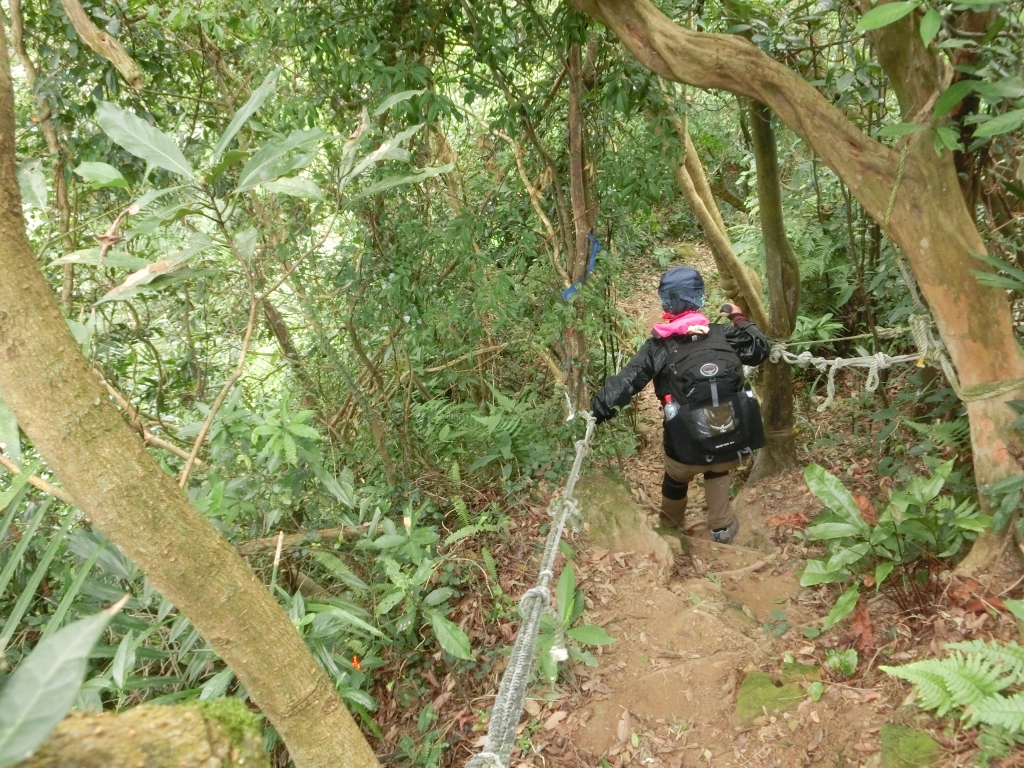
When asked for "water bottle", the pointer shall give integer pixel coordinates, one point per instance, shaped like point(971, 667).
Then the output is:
point(671, 408)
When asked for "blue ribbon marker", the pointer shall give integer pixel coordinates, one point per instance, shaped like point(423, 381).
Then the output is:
point(595, 246)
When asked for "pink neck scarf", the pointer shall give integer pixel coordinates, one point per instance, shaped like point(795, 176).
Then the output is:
point(685, 324)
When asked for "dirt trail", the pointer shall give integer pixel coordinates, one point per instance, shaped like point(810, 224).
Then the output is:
point(677, 688)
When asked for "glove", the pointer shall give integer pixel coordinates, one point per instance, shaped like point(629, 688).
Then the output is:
point(731, 311)
point(599, 412)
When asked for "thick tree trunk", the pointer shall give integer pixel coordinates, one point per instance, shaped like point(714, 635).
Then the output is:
point(783, 271)
point(219, 734)
point(929, 222)
point(66, 413)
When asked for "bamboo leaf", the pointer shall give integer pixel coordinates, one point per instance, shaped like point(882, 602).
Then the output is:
point(41, 690)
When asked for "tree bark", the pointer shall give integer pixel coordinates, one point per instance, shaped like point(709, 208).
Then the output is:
point(105, 45)
point(929, 221)
point(64, 410)
point(156, 737)
point(783, 271)
point(578, 256)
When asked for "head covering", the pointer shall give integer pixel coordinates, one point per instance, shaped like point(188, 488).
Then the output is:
point(681, 289)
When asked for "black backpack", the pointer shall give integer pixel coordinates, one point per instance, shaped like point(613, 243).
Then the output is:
point(719, 418)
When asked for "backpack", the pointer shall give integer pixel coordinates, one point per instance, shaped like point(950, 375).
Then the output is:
point(719, 418)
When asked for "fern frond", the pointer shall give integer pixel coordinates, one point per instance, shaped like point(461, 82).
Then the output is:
point(489, 564)
point(971, 679)
point(469, 530)
point(339, 569)
point(1004, 711)
point(929, 682)
point(454, 474)
point(462, 511)
point(1011, 656)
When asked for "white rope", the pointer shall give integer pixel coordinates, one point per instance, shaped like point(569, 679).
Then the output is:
point(508, 705)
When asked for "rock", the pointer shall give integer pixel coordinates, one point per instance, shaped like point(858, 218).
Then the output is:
point(759, 692)
point(615, 521)
point(905, 747)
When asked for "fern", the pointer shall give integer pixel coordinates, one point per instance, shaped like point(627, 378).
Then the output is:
point(454, 474)
point(1003, 711)
point(469, 530)
point(1010, 656)
point(338, 568)
point(944, 433)
point(462, 511)
point(489, 564)
point(971, 679)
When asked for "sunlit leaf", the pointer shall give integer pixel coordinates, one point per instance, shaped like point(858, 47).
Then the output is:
point(844, 605)
point(883, 15)
point(142, 139)
point(296, 187)
point(276, 158)
point(248, 110)
point(590, 635)
point(32, 184)
point(450, 637)
point(1004, 123)
point(102, 175)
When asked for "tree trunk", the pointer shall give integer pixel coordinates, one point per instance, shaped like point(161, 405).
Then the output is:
point(929, 221)
point(64, 410)
point(578, 256)
point(216, 734)
point(783, 271)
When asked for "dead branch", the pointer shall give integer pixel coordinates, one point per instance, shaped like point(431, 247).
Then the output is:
point(104, 44)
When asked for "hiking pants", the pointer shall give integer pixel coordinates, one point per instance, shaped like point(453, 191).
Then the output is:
point(716, 490)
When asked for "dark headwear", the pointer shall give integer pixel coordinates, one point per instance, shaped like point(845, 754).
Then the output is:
point(681, 289)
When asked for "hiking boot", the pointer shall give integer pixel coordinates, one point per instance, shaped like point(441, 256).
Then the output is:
point(726, 535)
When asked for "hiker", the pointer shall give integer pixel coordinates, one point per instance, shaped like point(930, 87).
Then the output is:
point(711, 418)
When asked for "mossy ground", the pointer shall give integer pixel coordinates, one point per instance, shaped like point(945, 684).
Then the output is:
point(905, 747)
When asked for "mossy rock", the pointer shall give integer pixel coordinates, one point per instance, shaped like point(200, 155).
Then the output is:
point(760, 692)
point(905, 747)
point(794, 671)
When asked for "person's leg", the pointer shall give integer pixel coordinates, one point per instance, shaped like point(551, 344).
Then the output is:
point(716, 490)
point(674, 488)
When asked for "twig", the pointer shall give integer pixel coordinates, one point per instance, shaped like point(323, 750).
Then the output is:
point(255, 546)
point(147, 437)
point(752, 568)
point(38, 482)
point(254, 303)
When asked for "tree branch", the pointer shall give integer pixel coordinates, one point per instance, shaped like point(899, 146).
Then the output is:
point(37, 482)
point(105, 45)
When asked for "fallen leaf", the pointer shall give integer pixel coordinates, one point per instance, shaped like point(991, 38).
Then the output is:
point(867, 509)
point(555, 719)
point(982, 605)
point(865, 748)
point(532, 707)
point(868, 696)
point(862, 627)
point(813, 745)
point(597, 555)
point(816, 717)
point(625, 727)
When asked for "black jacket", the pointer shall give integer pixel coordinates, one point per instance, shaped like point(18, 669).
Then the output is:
point(649, 363)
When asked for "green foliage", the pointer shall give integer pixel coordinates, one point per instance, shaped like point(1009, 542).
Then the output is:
point(916, 525)
point(844, 662)
point(557, 628)
point(43, 687)
point(979, 682)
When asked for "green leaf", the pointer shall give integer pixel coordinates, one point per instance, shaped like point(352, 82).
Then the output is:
point(195, 245)
point(953, 95)
point(217, 685)
point(248, 110)
point(451, 638)
point(833, 494)
point(946, 138)
point(811, 632)
point(826, 531)
point(142, 139)
point(1004, 123)
point(590, 635)
point(565, 591)
point(883, 15)
point(32, 184)
point(10, 438)
point(102, 175)
point(817, 572)
point(900, 129)
point(396, 98)
point(41, 690)
point(815, 690)
point(847, 556)
point(124, 660)
point(438, 596)
point(882, 571)
point(272, 160)
point(928, 29)
point(844, 605)
point(91, 257)
point(388, 602)
point(347, 617)
point(296, 187)
point(412, 178)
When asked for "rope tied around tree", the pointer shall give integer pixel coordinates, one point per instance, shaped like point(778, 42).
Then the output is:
point(533, 605)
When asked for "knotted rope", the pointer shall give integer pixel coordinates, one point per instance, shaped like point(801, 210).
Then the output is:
point(508, 705)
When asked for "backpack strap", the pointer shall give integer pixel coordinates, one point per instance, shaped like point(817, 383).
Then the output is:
point(682, 347)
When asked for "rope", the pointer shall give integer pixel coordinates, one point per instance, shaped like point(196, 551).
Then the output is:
point(508, 705)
